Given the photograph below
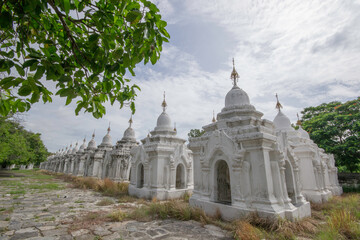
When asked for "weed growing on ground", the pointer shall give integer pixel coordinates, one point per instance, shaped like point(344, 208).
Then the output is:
point(19, 191)
point(186, 197)
point(48, 186)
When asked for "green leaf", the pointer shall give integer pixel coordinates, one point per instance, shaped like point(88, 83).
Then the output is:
point(6, 80)
point(94, 37)
point(35, 97)
point(20, 70)
point(29, 63)
point(153, 58)
point(133, 16)
point(5, 20)
point(68, 100)
point(39, 73)
point(67, 6)
point(79, 74)
point(132, 107)
point(24, 90)
point(76, 2)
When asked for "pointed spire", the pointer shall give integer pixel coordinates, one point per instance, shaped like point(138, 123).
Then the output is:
point(108, 130)
point(148, 134)
point(164, 104)
point(298, 121)
point(278, 104)
point(234, 75)
point(175, 127)
point(130, 121)
point(93, 135)
point(213, 119)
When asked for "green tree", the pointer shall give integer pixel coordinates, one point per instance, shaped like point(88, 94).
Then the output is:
point(335, 127)
point(195, 133)
point(19, 146)
point(87, 48)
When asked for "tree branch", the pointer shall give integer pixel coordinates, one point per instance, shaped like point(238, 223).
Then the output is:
point(74, 46)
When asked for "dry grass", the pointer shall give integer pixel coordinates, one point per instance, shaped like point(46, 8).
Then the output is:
point(339, 218)
point(106, 186)
point(105, 202)
point(129, 199)
point(88, 220)
point(245, 231)
point(342, 214)
point(117, 216)
point(343, 222)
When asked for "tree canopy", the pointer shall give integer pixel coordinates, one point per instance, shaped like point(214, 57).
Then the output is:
point(335, 127)
point(195, 133)
point(86, 48)
point(19, 146)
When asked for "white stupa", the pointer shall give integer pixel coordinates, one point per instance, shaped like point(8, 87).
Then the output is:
point(161, 167)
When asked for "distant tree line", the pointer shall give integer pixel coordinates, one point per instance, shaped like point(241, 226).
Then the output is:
point(335, 127)
point(19, 146)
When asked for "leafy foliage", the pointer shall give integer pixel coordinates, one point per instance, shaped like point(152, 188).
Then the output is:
point(195, 133)
point(19, 146)
point(85, 47)
point(335, 127)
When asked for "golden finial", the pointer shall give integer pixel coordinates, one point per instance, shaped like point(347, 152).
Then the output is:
point(130, 121)
point(278, 104)
point(175, 127)
point(164, 105)
point(298, 121)
point(213, 120)
point(108, 130)
point(93, 135)
point(234, 75)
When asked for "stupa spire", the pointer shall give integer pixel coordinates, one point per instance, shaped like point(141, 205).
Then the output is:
point(234, 75)
point(213, 119)
point(130, 121)
point(175, 127)
point(164, 104)
point(93, 135)
point(298, 121)
point(278, 104)
point(109, 129)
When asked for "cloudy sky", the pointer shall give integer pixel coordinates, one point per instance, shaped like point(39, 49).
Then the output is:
point(306, 51)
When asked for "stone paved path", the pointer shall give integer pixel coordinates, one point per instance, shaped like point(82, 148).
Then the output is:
point(28, 211)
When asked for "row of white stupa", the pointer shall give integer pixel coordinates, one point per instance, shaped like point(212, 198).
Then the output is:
point(241, 164)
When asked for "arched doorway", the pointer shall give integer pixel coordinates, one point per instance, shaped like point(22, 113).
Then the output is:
point(289, 178)
point(140, 176)
point(180, 176)
point(223, 193)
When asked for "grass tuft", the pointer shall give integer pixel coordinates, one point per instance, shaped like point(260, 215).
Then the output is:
point(105, 202)
point(117, 216)
point(245, 231)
